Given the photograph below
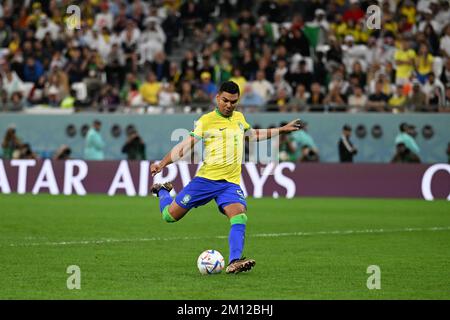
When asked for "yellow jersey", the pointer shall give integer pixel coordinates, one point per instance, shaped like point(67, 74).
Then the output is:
point(405, 71)
point(149, 92)
point(223, 143)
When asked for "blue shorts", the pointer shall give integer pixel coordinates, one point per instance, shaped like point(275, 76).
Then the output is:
point(200, 191)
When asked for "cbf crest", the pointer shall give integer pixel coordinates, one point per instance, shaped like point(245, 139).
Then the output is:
point(186, 199)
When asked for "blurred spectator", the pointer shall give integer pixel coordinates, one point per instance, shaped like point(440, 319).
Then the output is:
point(445, 42)
point(305, 146)
point(45, 25)
point(287, 148)
point(25, 152)
point(149, 90)
point(207, 90)
point(262, 87)
point(417, 100)
point(10, 143)
point(404, 59)
point(446, 105)
point(16, 102)
point(357, 101)
point(334, 99)
point(308, 155)
point(93, 85)
point(250, 99)
point(10, 81)
point(424, 62)
point(33, 70)
point(434, 91)
point(125, 91)
point(404, 155)
point(378, 100)
point(115, 63)
point(300, 75)
point(108, 99)
point(405, 138)
point(134, 147)
point(299, 100)
point(239, 79)
point(168, 97)
point(151, 40)
point(63, 153)
point(315, 100)
point(160, 66)
point(69, 101)
point(94, 144)
point(398, 100)
point(345, 146)
point(186, 93)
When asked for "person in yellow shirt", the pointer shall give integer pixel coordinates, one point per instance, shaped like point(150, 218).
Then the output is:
point(424, 63)
point(398, 100)
point(238, 79)
point(149, 90)
point(222, 132)
point(404, 59)
point(409, 11)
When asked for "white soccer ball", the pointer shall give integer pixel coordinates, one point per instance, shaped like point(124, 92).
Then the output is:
point(210, 262)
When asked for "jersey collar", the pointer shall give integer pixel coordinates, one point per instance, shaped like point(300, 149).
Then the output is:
point(221, 115)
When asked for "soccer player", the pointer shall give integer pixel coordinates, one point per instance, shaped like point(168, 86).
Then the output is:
point(222, 131)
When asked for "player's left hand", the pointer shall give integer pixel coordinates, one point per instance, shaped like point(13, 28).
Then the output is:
point(294, 125)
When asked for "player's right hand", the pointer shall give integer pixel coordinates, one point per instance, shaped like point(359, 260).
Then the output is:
point(155, 168)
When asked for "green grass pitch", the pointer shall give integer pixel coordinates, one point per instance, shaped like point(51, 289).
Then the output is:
point(305, 248)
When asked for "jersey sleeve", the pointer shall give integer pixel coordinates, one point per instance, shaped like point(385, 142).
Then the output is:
point(198, 129)
point(245, 123)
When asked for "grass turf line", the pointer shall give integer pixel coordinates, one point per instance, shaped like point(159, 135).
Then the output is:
point(414, 265)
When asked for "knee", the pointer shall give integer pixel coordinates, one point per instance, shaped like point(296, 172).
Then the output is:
point(167, 216)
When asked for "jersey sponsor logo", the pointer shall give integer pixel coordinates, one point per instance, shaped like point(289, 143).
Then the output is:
point(221, 129)
point(186, 199)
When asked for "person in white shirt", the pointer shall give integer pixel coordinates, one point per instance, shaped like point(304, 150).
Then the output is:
point(47, 26)
point(445, 42)
point(104, 18)
point(434, 89)
point(262, 87)
point(168, 97)
point(352, 53)
point(357, 101)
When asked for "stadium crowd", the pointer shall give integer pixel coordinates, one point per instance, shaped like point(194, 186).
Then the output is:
point(171, 55)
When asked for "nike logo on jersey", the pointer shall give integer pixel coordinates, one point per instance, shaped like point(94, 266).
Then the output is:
point(221, 129)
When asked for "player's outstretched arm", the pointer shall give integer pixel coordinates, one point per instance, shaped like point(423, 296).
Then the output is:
point(265, 134)
point(177, 152)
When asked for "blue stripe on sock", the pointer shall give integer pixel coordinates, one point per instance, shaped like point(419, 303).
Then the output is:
point(236, 240)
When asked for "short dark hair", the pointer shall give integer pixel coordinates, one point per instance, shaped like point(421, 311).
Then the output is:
point(97, 122)
point(403, 126)
point(230, 87)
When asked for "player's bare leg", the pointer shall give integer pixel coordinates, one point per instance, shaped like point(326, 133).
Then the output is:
point(170, 210)
point(236, 214)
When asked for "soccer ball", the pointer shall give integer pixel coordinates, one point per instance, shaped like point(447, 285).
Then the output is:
point(210, 261)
